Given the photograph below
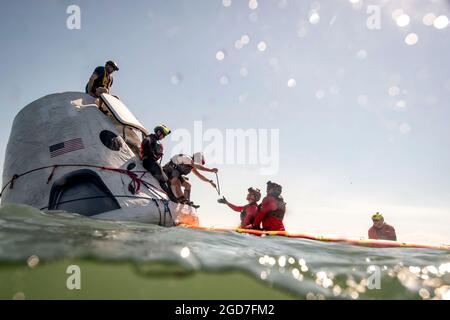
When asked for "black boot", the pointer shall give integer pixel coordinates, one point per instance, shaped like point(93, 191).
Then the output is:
point(187, 194)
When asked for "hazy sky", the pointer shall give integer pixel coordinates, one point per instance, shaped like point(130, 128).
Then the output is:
point(362, 115)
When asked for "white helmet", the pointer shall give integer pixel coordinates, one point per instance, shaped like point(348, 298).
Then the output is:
point(199, 158)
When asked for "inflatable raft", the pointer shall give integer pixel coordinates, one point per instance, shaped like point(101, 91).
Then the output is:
point(355, 242)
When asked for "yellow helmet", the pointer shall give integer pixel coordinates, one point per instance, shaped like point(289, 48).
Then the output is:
point(377, 216)
point(164, 129)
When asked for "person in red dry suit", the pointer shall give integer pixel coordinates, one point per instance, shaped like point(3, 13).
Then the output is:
point(381, 230)
point(271, 210)
point(249, 211)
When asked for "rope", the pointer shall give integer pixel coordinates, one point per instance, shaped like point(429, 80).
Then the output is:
point(134, 186)
point(167, 210)
point(218, 183)
point(12, 182)
point(166, 203)
point(135, 180)
point(51, 174)
point(159, 210)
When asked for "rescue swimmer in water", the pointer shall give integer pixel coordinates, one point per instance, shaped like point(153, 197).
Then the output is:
point(381, 230)
point(248, 212)
point(269, 214)
point(271, 210)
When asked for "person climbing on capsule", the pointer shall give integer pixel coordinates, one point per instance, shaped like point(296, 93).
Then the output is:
point(249, 211)
point(381, 230)
point(152, 152)
point(177, 170)
point(101, 79)
point(271, 210)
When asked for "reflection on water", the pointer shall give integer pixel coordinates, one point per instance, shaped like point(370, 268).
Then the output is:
point(305, 269)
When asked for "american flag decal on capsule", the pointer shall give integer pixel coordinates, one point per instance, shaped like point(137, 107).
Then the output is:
point(66, 147)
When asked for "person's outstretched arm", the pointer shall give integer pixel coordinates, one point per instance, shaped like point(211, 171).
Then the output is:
point(203, 168)
point(202, 177)
point(235, 207)
point(232, 206)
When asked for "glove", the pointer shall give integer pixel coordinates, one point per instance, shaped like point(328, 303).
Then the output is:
point(222, 200)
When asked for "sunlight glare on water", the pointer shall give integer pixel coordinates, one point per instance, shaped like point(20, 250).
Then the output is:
point(307, 269)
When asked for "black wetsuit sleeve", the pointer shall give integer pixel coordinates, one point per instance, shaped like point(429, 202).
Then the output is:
point(150, 146)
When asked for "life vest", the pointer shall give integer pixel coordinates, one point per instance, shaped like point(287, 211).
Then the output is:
point(151, 148)
point(102, 81)
point(184, 169)
point(244, 212)
point(281, 209)
point(386, 232)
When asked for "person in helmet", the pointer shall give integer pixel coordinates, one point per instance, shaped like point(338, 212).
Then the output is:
point(177, 170)
point(101, 79)
point(271, 210)
point(381, 230)
point(249, 211)
point(151, 154)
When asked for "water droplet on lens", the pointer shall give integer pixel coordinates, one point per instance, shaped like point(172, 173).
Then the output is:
point(185, 252)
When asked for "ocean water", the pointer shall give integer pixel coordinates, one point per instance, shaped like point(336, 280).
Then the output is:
point(139, 261)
